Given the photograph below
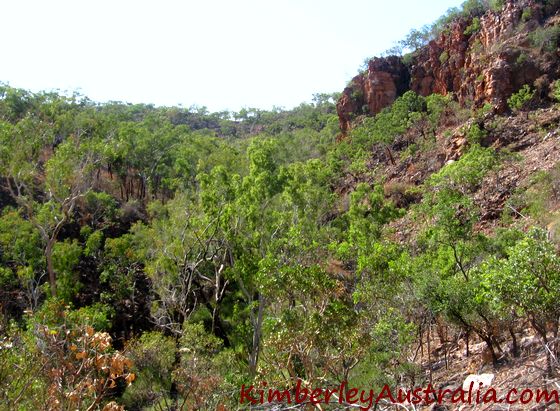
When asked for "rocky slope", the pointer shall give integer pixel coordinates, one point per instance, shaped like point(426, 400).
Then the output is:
point(480, 60)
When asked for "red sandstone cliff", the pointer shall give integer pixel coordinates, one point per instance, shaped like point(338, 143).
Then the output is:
point(485, 66)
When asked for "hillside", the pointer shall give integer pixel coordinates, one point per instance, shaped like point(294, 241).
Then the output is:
point(404, 233)
point(480, 55)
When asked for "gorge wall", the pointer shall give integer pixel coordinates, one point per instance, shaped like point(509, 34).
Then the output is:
point(484, 62)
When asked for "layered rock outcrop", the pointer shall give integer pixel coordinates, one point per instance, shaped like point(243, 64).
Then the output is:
point(481, 63)
point(384, 80)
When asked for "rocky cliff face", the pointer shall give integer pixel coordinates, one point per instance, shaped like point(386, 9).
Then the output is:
point(385, 80)
point(483, 64)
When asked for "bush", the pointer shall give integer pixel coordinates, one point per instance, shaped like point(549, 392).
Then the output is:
point(466, 173)
point(475, 134)
point(555, 93)
point(546, 38)
point(496, 5)
point(527, 14)
point(438, 107)
point(153, 355)
point(473, 27)
point(66, 256)
point(529, 281)
point(473, 8)
point(408, 58)
point(519, 100)
point(391, 121)
point(522, 58)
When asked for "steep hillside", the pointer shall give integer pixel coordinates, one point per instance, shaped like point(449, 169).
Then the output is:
point(479, 58)
point(486, 158)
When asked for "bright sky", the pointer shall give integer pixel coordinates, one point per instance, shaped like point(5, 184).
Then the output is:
point(223, 54)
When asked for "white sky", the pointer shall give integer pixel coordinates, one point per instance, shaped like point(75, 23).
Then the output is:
point(216, 53)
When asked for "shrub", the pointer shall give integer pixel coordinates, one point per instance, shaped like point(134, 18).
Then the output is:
point(153, 355)
point(538, 198)
point(527, 14)
point(529, 281)
point(477, 46)
point(546, 38)
point(519, 99)
point(391, 121)
point(522, 58)
point(555, 93)
point(475, 134)
point(438, 106)
point(408, 58)
point(473, 27)
point(496, 5)
point(473, 8)
point(466, 173)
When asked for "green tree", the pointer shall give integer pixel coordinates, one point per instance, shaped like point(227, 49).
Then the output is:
point(529, 279)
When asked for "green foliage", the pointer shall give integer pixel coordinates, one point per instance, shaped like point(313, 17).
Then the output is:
point(415, 39)
point(466, 173)
point(153, 355)
point(530, 275)
point(528, 280)
point(546, 38)
point(496, 5)
point(66, 256)
point(101, 208)
point(93, 243)
point(55, 367)
point(521, 98)
point(408, 59)
point(470, 9)
point(391, 121)
point(438, 106)
point(228, 247)
point(536, 199)
point(473, 8)
point(206, 373)
point(527, 14)
point(21, 246)
point(522, 58)
point(472, 28)
point(97, 315)
point(444, 57)
point(475, 135)
point(555, 87)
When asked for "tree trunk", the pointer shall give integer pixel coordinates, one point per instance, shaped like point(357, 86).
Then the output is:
point(257, 332)
point(542, 332)
point(174, 389)
point(515, 345)
point(490, 345)
point(390, 155)
point(50, 268)
point(429, 353)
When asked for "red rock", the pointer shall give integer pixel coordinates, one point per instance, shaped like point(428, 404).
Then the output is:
point(368, 93)
point(483, 67)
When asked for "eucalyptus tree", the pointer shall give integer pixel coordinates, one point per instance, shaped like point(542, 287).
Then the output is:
point(46, 183)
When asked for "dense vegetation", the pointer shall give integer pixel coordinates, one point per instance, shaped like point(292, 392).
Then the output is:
point(155, 256)
point(158, 258)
